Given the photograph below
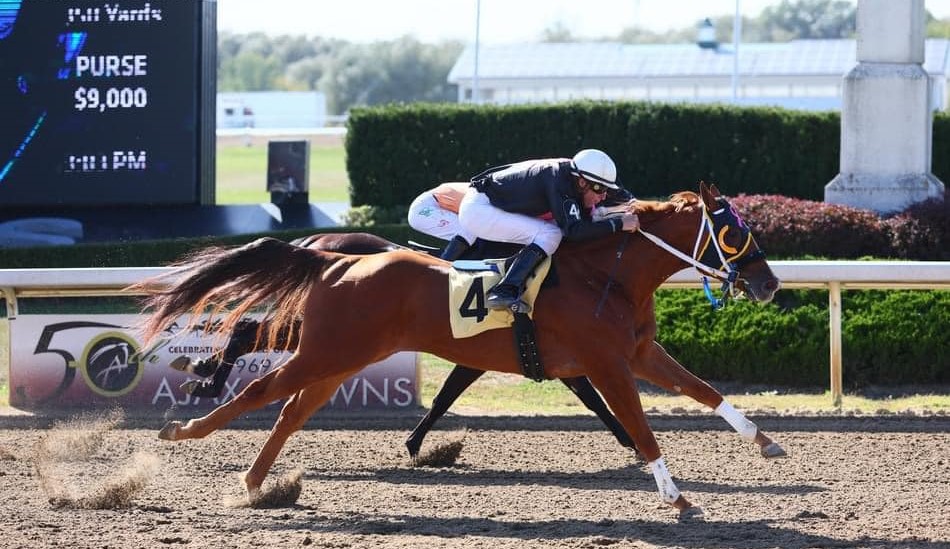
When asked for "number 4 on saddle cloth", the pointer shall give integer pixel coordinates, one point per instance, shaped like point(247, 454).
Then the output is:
point(468, 283)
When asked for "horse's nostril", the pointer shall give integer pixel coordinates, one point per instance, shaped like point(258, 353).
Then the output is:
point(772, 284)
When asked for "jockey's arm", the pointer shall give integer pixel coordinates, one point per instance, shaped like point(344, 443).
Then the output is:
point(575, 225)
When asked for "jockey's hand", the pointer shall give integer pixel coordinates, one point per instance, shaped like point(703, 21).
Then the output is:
point(631, 223)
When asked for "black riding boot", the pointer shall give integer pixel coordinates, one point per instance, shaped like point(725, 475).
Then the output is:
point(509, 289)
point(454, 249)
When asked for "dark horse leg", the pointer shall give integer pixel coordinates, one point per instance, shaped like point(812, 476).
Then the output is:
point(461, 377)
point(581, 387)
point(241, 341)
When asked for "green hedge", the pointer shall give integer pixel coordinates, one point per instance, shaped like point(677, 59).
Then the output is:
point(396, 152)
point(888, 337)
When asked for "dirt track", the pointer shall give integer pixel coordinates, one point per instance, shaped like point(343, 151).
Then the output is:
point(520, 482)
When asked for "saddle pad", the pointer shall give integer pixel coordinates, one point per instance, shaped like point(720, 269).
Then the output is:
point(467, 311)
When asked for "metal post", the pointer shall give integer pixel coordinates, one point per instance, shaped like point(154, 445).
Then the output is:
point(736, 33)
point(478, 19)
point(834, 307)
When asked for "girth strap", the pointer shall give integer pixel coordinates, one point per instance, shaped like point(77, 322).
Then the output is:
point(526, 346)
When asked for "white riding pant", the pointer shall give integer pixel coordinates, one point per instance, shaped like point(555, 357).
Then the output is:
point(481, 219)
point(428, 217)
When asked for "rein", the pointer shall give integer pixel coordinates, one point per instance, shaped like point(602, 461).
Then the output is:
point(727, 277)
point(612, 275)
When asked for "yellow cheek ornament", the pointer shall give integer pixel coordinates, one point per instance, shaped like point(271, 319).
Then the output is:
point(734, 253)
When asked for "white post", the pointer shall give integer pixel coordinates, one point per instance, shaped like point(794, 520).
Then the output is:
point(736, 33)
point(478, 20)
point(886, 113)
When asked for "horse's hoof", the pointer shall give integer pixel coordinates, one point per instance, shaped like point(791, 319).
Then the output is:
point(253, 493)
point(691, 513)
point(413, 447)
point(189, 386)
point(773, 451)
point(682, 504)
point(170, 431)
point(182, 364)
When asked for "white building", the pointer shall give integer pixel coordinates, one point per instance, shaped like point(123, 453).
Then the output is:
point(801, 74)
point(272, 109)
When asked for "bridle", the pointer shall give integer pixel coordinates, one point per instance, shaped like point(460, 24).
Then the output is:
point(729, 265)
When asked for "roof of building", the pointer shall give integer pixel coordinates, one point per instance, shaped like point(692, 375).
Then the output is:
point(612, 60)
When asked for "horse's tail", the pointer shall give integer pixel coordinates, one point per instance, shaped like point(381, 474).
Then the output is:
point(265, 272)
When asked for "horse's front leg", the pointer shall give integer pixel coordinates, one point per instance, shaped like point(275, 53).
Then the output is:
point(619, 389)
point(659, 368)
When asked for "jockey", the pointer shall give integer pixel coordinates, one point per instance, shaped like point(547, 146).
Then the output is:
point(504, 204)
point(435, 212)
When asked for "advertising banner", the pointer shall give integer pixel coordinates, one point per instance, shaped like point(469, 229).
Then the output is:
point(97, 361)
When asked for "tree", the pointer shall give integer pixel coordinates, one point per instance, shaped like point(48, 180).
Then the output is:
point(937, 28)
point(557, 33)
point(306, 73)
point(402, 70)
point(801, 19)
point(249, 72)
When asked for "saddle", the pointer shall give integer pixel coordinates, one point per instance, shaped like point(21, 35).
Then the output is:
point(472, 278)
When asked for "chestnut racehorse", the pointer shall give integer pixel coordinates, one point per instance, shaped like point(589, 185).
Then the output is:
point(354, 310)
point(245, 338)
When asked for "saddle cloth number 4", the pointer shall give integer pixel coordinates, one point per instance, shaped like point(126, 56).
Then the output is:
point(467, 311)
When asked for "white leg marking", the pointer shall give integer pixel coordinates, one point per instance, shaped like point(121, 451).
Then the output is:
point(664, 482)
point(743, 426)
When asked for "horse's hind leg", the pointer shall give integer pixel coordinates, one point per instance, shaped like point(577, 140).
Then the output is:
point(659, 368)
point(460, 378)
point(277, 384)
point(582, 388)
point(292, 417)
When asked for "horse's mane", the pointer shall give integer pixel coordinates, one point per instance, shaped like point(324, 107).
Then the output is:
point(650, 211)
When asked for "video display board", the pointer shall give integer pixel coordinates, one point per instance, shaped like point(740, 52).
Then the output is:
point(105, 102)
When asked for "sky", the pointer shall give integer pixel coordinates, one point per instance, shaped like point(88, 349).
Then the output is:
point(500, 21)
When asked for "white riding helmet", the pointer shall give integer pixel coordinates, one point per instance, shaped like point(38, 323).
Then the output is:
point(596, 166)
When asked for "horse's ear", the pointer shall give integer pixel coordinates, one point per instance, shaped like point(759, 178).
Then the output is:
point(714, 190)
point(707, 195)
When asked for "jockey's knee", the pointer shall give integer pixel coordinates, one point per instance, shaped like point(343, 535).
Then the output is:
point(549, 238)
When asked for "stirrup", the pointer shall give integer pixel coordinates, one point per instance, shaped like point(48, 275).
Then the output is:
point(502, 298)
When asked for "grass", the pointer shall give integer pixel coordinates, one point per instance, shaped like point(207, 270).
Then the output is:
point(496, 393)
point(241, 170)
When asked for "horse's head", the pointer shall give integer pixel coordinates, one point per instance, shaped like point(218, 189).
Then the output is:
point(726, 245)
point(723, 245)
